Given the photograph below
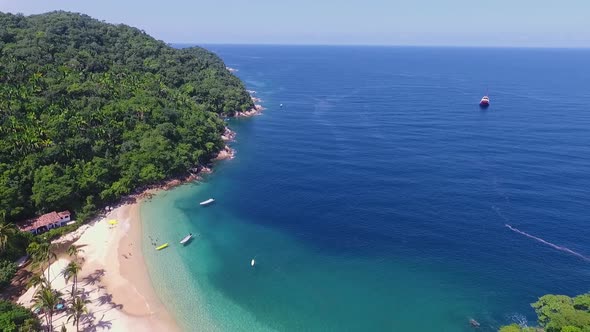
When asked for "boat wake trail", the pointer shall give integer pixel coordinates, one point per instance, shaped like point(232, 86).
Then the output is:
point(552, 245)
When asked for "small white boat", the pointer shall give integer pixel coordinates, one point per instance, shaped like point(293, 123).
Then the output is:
point(253, 262)
point(207, 202)
point(186, 238)
point(485, 101)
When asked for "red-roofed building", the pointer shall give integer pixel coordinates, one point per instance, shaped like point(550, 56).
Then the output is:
point(46, 222)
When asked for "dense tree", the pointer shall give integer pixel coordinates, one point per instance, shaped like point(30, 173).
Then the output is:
point(14, 317)
point(6, 232)
point(90, 111)
point(12, 242)
point(517, 328)
point(7, 272)
point(559, 313)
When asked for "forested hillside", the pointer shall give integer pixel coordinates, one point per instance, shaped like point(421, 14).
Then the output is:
point(89, 111)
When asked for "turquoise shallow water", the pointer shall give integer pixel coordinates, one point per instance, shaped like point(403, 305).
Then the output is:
point(376, 199)
point(319, 289)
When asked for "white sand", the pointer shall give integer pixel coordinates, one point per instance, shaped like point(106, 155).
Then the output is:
point(113, 277)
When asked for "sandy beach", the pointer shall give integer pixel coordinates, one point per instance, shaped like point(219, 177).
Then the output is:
point(114, 278)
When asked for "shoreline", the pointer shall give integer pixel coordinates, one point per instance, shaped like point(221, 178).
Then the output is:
point(114, 275)
point(256, 110)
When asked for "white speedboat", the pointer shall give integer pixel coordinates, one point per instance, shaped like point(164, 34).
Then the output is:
point(207, 202)
point(186, 238)
point(253, 262)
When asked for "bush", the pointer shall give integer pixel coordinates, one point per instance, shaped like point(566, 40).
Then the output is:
point(14, 317)
point(516, 328)
point(7, 272)
point(55, 233)
point(16, 246)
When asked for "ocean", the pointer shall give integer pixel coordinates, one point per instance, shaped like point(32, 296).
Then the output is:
point(380, 197)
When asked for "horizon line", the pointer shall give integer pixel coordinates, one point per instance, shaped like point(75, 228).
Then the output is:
point(387, 45)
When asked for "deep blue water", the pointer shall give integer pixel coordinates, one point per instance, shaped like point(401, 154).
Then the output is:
point(376, 198)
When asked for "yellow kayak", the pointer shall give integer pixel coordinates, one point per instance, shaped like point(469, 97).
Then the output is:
point(162, 246)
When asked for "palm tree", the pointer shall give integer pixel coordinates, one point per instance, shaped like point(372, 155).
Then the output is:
point(41, 253)
point(36, 280)
point(74, 250)
point(71, 272)
point(6, 231)
point(47, 299)
point(76, 311)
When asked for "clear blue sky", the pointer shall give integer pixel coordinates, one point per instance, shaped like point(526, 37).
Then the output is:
point(543, 23)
